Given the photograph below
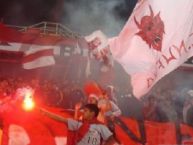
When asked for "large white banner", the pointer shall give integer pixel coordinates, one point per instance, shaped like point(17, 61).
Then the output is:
point(157, 38)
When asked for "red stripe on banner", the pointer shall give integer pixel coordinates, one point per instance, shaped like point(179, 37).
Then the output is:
point(9, 61)
point(11, 52)
point(11, 56)
point(38, 54)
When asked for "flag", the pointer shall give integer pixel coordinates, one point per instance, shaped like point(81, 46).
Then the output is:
point(29, 48)
point(10, 52)
point(31, 128)
point(98, 44)
point(39, 56)
point(157, 38)
point(88, 69)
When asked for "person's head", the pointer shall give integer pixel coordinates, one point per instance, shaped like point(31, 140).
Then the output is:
point(190, 93)
point(93, 99)
point(151, 100)
point(104, 105)
point(189, 99)
point(91, 111)
point(110, 90)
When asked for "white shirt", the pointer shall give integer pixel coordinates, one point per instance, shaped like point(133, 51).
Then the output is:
point(94, 134)
point(115, 111)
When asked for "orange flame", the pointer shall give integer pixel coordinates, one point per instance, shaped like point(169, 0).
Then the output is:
point(28, 102)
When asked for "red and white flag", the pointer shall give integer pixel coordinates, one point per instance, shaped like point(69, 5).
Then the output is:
point(29, 48)
point(157, 38)
point(39, 56)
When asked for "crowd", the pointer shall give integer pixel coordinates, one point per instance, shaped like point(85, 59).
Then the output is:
point(97, 105)
point(47, 91)
point(173, 107)
point(161, 106)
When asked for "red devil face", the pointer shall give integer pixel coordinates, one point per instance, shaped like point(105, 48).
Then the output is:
point(151, 30)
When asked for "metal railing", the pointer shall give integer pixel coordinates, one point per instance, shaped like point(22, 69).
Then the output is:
point(49, 28)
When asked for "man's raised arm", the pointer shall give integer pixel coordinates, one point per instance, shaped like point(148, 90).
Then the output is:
point(53, 115)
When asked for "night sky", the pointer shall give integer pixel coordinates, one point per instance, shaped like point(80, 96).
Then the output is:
point(28, 12)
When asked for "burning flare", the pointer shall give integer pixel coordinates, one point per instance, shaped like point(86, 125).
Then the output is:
point(28, 102)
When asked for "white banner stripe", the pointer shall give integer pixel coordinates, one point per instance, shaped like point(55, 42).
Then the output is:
point(36, 48)
point(11, 47)
point(40, 62)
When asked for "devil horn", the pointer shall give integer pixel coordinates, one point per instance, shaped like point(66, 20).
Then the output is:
point(151, 11)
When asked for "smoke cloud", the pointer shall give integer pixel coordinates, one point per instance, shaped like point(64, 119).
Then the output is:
point(86, 16)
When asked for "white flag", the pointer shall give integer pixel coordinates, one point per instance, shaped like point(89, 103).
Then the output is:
point(157, 38)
